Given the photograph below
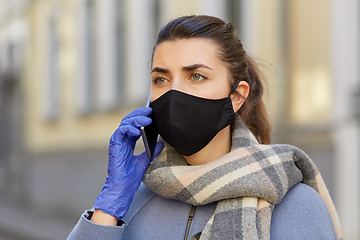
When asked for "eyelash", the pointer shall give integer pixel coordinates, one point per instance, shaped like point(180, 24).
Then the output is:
point(155, 81)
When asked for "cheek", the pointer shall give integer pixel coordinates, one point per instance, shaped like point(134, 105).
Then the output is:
point(155, 93)
point(213, 91)
point(222, 85)
point(220, 89)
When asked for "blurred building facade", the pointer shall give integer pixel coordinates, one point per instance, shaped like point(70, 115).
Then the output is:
point(71, 69)
point(13, 33)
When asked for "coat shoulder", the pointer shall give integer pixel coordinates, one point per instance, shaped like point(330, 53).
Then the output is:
point(302, 214)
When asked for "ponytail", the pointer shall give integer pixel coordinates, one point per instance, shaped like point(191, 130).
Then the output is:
point(253, 111)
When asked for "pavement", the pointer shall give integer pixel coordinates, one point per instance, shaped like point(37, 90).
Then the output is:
point(21, 224)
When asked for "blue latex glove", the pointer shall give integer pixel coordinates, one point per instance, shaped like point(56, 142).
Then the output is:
point(125, 171)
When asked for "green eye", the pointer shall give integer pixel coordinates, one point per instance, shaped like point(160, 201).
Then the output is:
point(196, 77)
point(160, 80)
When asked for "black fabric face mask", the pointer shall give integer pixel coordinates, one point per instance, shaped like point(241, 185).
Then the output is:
point(188, 123)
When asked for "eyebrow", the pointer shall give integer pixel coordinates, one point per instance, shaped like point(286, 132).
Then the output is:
point(185, 68)
point(195, 66)
point(161, 70)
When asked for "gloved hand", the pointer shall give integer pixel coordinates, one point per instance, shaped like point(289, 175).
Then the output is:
point(125, 171)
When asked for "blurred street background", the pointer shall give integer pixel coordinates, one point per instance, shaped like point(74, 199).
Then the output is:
point(71, 69)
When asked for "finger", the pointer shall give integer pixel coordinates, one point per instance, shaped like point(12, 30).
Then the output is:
point(128, 130)
point(143, 158)
point(137, 121)
point(143, 111)
point(123, 131)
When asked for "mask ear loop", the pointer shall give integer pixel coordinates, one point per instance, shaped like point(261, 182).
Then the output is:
point(236, 84)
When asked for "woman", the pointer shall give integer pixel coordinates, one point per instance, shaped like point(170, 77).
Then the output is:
point(212, 179)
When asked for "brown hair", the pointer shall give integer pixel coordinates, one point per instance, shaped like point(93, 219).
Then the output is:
point(240, 65)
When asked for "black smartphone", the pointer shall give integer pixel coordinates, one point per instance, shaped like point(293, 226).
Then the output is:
point(149, 135)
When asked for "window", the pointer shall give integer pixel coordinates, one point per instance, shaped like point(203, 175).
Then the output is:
point(102, 53)
point(139, 42)
point(101, 56)
point(110, 33)
point(234, 13)
point(52, 74)
point(216, 8)
point(87, 57)
point(120, 53)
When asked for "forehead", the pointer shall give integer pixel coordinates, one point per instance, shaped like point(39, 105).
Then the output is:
point(187, 51)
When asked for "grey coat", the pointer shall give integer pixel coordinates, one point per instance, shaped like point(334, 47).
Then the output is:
point(301, 214)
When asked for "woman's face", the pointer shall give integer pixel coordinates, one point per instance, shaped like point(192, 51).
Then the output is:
point(191, 66)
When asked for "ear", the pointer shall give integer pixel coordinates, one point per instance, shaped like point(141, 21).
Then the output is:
point(239, 95)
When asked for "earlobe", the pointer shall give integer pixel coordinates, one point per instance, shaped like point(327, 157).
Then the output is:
point(239, 95)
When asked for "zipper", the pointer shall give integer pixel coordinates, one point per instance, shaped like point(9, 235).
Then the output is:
point(191, 217)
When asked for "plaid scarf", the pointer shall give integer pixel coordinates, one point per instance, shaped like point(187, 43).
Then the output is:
point(247, 183)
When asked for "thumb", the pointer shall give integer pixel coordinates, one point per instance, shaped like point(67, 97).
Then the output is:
point(159, 146)
point(143, 158)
